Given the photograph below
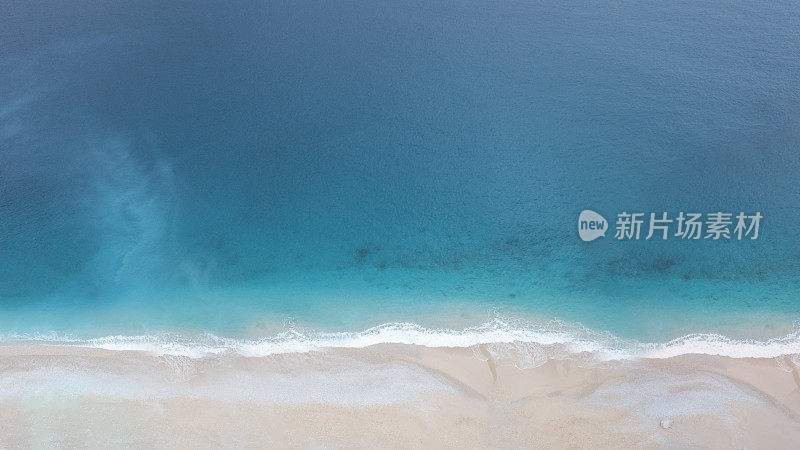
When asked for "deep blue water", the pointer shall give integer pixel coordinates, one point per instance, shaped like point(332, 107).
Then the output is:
point(219, 167)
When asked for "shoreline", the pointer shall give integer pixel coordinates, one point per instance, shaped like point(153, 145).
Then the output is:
point(550, 337)
point(393, 394)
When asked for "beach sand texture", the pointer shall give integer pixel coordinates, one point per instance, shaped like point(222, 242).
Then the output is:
point(393, 396)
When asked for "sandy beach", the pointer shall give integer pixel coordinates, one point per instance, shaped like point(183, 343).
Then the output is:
point(393, 396)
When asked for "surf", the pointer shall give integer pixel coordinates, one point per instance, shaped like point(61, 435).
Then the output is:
point(524, 342)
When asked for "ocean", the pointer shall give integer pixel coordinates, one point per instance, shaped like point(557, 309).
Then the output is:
point(276, 176)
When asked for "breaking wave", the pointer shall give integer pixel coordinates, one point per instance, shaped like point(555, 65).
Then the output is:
point(531, 343)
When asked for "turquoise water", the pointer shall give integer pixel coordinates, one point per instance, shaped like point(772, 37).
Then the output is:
point(239, 169)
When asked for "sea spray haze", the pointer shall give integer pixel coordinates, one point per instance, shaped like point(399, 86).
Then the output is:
point(194, 167)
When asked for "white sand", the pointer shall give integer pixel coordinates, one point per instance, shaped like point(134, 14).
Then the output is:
point(391, 395)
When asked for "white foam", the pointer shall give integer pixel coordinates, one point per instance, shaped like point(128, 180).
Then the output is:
point(715, 344)
point(530, 341)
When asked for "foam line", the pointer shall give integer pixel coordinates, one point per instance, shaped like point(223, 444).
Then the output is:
point(554, 338)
